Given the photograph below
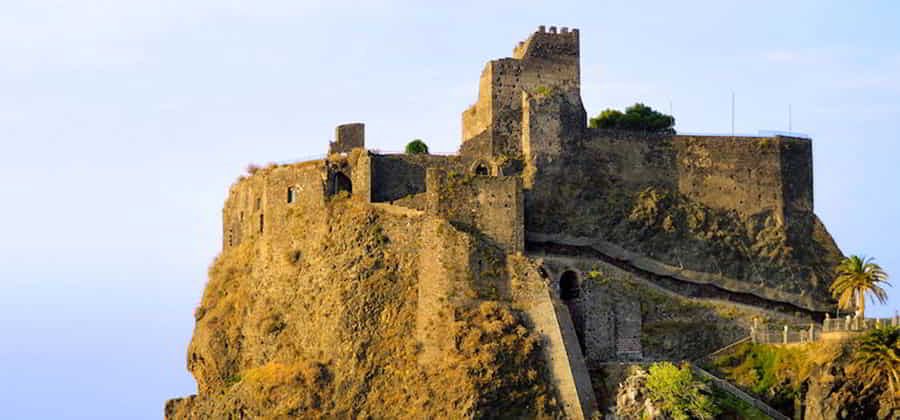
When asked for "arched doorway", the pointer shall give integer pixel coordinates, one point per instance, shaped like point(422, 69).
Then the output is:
point(482, 169)
point(568, 286)
point(342, 182)
point(569, 292)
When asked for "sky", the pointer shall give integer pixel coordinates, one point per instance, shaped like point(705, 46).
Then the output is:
point(124, 122)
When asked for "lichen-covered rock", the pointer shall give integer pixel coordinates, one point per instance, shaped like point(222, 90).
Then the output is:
point(817, 381)
point(830, 395)
point(632, 400)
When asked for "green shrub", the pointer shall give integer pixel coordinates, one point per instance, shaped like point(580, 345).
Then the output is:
point(417, 147)
point(774, 373)
point(679, 393)
point(732, 407)
point(638, 117)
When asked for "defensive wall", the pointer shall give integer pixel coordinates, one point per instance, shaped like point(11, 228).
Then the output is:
point(748, 175)
point(459, 189)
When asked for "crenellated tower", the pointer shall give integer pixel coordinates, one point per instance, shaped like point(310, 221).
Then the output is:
point(546, 64)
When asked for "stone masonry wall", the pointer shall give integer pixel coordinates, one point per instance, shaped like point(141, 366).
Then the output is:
point(487, 204)
point(444, 271)
point(744, 174)
point(399, 176)
point(625, 316)
point(609, 327)
point(797, 174)
point(261, 203)
point(544, 61)
point(738, 207)
point(732, 173)
point(348, 137)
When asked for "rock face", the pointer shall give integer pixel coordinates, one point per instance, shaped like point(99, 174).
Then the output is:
point(328, 329)
point(632, 401)
point(830, 395)
point(816, 381)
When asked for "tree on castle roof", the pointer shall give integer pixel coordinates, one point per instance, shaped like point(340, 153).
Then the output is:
point(416, 147)
point(638, 117)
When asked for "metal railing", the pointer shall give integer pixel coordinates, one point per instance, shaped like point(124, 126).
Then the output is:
point(758, 134)
point(785, 334)
point(808, 333)
point(850, 323)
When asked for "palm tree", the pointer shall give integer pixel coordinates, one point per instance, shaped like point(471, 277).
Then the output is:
point(855, 277)
point(877, 359)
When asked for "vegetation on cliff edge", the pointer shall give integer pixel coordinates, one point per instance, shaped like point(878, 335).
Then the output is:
point(857, 378)
point(638, 117)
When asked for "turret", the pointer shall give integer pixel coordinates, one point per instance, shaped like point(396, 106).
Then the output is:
point(546, 62)
point(348, 137)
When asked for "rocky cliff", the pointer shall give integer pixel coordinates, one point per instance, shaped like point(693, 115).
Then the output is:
point(321, 322)
point(822, 380)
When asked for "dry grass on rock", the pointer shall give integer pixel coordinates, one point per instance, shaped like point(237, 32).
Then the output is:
point(323, 326)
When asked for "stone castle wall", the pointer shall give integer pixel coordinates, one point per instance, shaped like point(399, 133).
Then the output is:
point(348, 137)
point(487, 204)
point(262, 202)
point(748, 175)
point(257, 204)
point(398, 176)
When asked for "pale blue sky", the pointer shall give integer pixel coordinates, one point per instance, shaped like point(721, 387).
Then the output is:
point(124, 122)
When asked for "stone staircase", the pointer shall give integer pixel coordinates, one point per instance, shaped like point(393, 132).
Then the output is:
point(737, 393)
point(730, 388)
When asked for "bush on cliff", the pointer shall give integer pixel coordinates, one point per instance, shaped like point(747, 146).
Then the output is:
point(876, 360)
point(638, 117)
point(853, 379)
point(679, 393)
point(416, 147)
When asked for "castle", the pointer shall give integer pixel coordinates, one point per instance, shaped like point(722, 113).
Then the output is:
point(712, 217)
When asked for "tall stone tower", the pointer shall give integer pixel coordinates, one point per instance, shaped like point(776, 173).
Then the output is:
point(544, 65)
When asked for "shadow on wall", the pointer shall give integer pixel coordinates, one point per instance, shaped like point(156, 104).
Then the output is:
point(569, 292)
point(341, 182)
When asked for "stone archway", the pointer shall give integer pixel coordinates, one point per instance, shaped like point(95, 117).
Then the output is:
point(569, 288)
point(480, 168)
point(341, 182)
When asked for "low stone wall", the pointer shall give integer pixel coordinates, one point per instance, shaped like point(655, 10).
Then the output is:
point(551, 319)
point(489, 205)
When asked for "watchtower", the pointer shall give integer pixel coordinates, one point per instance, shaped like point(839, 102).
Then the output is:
point(348, 137)
point(545, 63)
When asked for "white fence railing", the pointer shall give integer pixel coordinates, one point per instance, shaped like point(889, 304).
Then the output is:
point(849, 323)
point(785, 334)
point(807, 333)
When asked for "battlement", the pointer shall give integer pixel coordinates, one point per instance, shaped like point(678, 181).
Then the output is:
point(547, 60)
point(549, 44)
